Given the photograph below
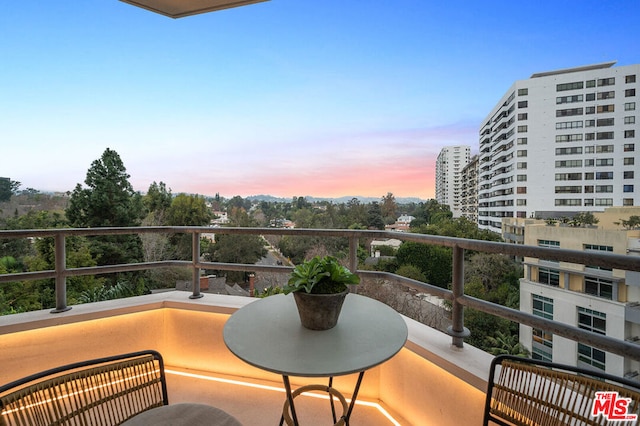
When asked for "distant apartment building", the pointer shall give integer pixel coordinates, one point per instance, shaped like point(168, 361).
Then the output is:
point(559, 143)
point(449, 165)
point(469, 193)
point(605, 301)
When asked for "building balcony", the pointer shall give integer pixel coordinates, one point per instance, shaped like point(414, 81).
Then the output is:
point(434, 379)
point(426, 383)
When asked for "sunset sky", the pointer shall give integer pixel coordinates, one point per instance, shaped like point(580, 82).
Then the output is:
point(288, 97)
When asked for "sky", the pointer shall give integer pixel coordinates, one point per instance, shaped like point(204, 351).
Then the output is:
point(287, 97)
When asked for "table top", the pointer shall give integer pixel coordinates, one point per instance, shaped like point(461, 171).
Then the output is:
point(267, 334)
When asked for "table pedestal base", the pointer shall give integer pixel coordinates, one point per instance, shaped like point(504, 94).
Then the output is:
point(289, 412)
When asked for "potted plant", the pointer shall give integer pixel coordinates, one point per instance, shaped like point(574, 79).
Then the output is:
point(319, 287)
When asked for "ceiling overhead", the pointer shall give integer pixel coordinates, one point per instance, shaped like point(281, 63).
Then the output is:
point(182, 8)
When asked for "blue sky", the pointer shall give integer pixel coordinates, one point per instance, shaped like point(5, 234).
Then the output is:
point(286, 97)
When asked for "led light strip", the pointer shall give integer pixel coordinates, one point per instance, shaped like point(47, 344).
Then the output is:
point(375, 405)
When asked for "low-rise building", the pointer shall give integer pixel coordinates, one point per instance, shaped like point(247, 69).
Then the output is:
point(603, 300)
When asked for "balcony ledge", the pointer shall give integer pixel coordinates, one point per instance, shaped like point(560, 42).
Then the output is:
point(188, 333)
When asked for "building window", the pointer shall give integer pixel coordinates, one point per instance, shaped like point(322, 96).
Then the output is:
point(568, 189)
point(604, 162)
point(596, 322)
point(590, 110)
point(569, 138)
point(569, 125)
point(627, 202)
point(630, 78)
point(542, 345)
point(606, 81)
point(630, 133)
point(588, 201)
point(522, 129)
point(521, 190)
point(598, 287)
point(606, 95)
point(568, 163)
point(604, 175)
point(569, 99)
point(589, 149)
point(521, 153)
point(606, 108)
point(588, 176)
point(605, 122)
point(627, 188)
point(590, 97)
point(522, 141)
point(521, 202)
point(523, 104)
point(629, 147)
point(549, 276)
point(604, 149)
point(523, 116)
point(568, 176)
point(629, 161)
point(604, 201)
point(630, 106)
point(569, 86)
point(591, 83)
point(589, 162)
point(604, 135)
point(630, 92)
point(569, 112)
point(589, 136)
point(604, 188)
point(589, 123)
point(629, 174)
point(588, 189)
point(569, 151)
point(523, 92)
point(630, 120)
point(568, 202)
point(522, 165)
point(548, 243)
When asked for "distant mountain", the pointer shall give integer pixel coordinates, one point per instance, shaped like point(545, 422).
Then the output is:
point(338, 200)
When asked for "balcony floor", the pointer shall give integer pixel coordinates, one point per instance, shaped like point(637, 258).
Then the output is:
point(254, 406)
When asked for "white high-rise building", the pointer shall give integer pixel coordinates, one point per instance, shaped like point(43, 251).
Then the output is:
point(559, 143)
point(449, 165)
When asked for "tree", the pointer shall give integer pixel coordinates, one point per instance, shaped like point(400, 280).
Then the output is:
point(506, 344)
point(238, 249)
point(389, 208)
point(433, 261)
point(374, 216)
point(632, 223)
point(8, 188)
point(188, 210)
point(157, 200)
point(108, 200)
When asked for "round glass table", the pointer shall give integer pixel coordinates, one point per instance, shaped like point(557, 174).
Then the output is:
point(268, 334)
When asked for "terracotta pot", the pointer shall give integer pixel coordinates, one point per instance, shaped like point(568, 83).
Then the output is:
point(319, 311)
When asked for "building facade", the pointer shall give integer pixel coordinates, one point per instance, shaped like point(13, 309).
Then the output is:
point(449, 165)
point(605, 301)
point(559, 143)
point(469, 192)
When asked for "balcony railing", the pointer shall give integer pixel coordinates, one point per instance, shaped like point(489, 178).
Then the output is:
point(456, 295)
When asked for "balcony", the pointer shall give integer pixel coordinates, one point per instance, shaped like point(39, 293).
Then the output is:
point(434, 379)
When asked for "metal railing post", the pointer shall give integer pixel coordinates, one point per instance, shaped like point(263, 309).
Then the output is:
point(195, 255)
point(61, 278)
point(457, 329)
point(353, 259)
point(353, 254)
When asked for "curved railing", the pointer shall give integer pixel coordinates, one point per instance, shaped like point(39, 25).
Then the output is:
point(456, 295)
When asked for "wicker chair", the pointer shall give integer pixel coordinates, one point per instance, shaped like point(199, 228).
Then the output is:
point(530, 392)
point(123, 389)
